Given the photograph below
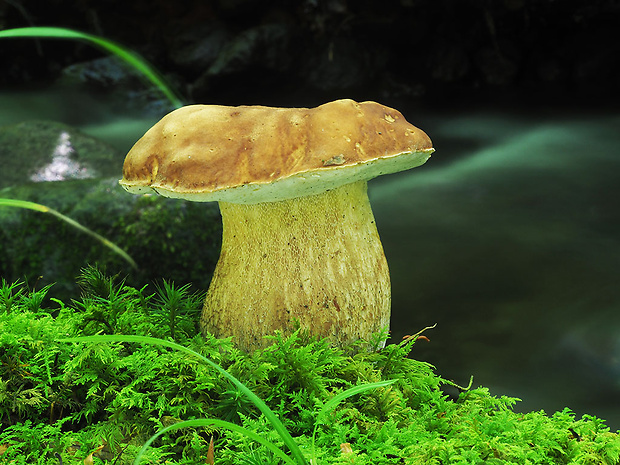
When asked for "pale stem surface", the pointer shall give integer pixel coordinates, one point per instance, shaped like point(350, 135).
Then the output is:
point(314, 260)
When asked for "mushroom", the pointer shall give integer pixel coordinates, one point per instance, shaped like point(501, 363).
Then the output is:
point(300, 247)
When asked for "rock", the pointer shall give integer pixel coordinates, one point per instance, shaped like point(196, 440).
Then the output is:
point(169, 239)
point(341, 64)
point(100, 73)
point(36, 151)
point(132, 91)
point(195, 48)
point(499, 46)
point(498, 67)
point(265, 46)
point(449, 62)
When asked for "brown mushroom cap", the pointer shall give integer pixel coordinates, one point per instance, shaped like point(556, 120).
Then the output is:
point(251, 154)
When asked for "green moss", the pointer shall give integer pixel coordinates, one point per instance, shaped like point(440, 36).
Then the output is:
point(68, 399)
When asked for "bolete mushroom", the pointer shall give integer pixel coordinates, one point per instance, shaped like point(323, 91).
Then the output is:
point(299, 243)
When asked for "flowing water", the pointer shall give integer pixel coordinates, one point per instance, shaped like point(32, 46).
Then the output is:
point(512, 247)
point(508, 239)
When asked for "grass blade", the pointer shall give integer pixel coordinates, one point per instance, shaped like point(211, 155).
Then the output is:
point(257, 401)
point(334, 401)
point(43, 209)
point(128, 56)
point(221, 424)
point(349, 393)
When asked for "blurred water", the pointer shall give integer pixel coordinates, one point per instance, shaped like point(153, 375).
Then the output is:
point(507, 238)
point(512, 247)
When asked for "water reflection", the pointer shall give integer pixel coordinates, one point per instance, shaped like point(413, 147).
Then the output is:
point(61, 166)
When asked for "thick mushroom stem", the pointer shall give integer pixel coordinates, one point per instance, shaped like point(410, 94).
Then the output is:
point(313, 261)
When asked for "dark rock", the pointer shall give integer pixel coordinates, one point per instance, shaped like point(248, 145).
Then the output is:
point(194, 48)
point(265, 46)
point(497, 67)
point(264, 49)
point(101, 73)
point(239, 50)
point(449, 62)
point(238, 7)
point(131, 90)
point(341, 64)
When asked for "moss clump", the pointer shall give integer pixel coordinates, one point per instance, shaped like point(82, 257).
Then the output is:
point(71, 401)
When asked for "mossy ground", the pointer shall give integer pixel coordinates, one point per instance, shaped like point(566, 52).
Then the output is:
point(60, 402)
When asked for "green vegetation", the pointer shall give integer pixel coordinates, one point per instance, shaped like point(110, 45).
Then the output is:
point(103, 400)
point(271, 417)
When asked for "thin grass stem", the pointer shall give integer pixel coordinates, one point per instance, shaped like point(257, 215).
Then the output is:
point(128, 56)
point(43, 209)
point(220, 424)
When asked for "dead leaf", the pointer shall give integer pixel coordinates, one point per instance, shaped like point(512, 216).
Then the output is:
point(210, 453)
point(89, 459)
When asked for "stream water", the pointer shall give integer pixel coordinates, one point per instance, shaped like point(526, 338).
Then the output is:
point(511, 246)
point(508, 239)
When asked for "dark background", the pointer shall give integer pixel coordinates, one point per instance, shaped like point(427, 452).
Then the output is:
point(507, 237)
point(304, 53)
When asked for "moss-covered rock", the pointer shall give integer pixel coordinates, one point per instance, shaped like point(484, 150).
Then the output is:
point(169, 239)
